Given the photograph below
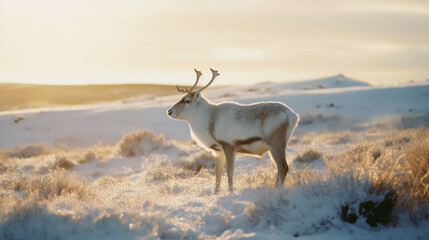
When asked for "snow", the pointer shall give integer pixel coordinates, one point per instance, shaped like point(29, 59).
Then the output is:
point(339, 81)
point(164, 187)
point(108, 122)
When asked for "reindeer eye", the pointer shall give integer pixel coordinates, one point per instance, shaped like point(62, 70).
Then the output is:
point(187, 101)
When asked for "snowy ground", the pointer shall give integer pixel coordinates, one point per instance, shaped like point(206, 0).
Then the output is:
point(124, 170)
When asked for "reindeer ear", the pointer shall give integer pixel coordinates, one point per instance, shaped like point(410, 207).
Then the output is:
point(197, 96)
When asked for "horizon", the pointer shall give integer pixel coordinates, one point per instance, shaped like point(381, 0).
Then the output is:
point(135, 42)
point(190, 83)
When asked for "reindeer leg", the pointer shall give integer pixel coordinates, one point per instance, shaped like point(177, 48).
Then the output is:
point(229, 151)
point(277, 142)
point(279, 158)
point(219, 165)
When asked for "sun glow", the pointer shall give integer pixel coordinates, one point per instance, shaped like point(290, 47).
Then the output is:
point(81, 42)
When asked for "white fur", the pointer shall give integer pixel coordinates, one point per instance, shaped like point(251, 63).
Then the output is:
point(232, 123)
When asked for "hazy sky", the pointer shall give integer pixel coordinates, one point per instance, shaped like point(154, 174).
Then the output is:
point(107, 41)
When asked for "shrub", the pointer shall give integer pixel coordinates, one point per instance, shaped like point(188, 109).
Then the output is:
point(371, 184)
point(89, 157)
point(323, 200)
point(49, 186)
point(308, 156)
point(64, 163)
point(416, 161)
point(164, 169)
point(28, 151)
point(373, 212)
point(142, 142)
point(201, 160)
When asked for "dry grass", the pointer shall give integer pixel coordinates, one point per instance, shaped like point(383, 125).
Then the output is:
point(377, 177)
point(309, 156)
point(199, 161)
point(400, 166)
point(48, 186)
point(88, 157)
point(64, 163)
point(378, 181)
point(263, 176)
point(142, 142)
point(328, 138)
point(416, 161)
point(165, 169)
point(28, 151)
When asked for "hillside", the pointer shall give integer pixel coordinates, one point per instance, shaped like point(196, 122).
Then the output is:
point(358, 164)
point(23, 96)
point(338, 81)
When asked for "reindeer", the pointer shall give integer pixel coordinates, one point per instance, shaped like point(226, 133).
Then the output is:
point(229, 127)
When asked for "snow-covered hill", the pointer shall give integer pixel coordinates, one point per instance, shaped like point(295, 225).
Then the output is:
point(91, 124)
point(124, 170)
point(339, 81)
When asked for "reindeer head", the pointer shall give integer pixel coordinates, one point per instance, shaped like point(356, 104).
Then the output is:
point(189, 104)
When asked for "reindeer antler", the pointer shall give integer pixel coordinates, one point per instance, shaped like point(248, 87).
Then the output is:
point(196, 81)
point(214, 75)
point(186, 90)
point(180, 89)
point(190, 90)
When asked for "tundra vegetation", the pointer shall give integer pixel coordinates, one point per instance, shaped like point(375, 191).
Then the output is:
point(144, 185)
point(357, 170)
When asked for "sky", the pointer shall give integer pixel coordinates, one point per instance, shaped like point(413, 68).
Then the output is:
point(248, 41)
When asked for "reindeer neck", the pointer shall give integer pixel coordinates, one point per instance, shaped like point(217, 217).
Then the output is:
point(202, 124)
point(203, 114)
